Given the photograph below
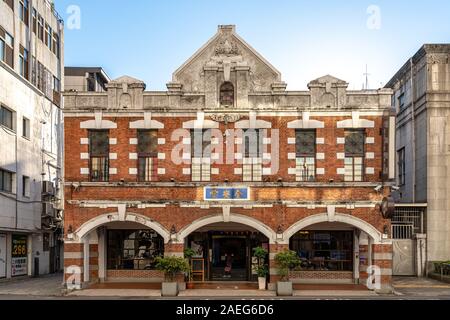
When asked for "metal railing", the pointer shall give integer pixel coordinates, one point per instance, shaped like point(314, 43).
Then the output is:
point(407, 221)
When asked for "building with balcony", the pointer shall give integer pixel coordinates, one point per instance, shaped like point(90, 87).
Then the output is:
point(31, 76)
point(224, 161)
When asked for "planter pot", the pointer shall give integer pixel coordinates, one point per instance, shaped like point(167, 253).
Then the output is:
point(169, 289)
point(190, 285)
point(284, 288)
point(262, 283)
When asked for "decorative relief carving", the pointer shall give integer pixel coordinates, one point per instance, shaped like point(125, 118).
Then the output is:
point(227, 47)
point(438, 58)
point(225, 117)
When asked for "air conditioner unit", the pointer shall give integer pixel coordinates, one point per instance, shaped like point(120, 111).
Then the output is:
point(47, 188)
point(48, 210)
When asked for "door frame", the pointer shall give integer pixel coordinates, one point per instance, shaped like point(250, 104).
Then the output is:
point(5, 249)
point(211, 252)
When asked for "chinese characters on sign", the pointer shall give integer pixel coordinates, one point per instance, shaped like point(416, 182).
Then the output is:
point(226, 193)
point(19, 261)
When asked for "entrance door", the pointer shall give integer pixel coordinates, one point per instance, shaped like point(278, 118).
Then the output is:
point(2, 255)
point(229, 259)
point(403, 259)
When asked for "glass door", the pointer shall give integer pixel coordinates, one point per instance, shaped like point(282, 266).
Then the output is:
point(229, 258)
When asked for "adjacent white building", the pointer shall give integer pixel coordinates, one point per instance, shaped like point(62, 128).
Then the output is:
point(31, 80)
point(421, 223)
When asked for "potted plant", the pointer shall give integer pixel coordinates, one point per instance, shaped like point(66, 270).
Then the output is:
point(285, 261)
point(188, 254)
point(261, 268)
point(171, 266)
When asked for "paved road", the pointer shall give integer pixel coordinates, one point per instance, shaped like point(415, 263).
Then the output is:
point(50, 288)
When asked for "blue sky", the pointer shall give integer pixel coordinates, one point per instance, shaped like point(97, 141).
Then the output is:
point(304, 40)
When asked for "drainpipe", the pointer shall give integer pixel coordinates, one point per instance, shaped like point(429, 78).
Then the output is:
point(413, 119)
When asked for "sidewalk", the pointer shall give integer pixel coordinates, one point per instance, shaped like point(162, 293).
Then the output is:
point(48, 285)
point(227, 293)
point(420, 287)
point(128, 293)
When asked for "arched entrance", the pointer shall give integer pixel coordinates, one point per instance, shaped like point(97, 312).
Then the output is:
point(224, 250)
point(120, 248)
point(336, 250)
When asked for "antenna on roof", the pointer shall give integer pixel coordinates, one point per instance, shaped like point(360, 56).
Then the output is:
point(366, 74)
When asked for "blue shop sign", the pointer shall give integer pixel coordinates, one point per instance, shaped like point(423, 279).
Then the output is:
point(227, 193)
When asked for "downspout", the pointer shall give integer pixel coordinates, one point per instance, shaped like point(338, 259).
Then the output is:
point(17, 183)
point(413, 119)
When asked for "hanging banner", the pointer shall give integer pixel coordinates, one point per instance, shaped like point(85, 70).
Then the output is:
point(19, 257)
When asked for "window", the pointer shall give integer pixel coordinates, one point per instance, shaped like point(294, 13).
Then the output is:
point(133, 249)
point(46, 242)
point(48, 36)
point(23, 11)
point(253, 152)
point(7, 118)
point(305, 155)
point(56, 84)
point(227, 94)
point(2, 50)
point(26, 128)
point(23, 62)
point(401, 166)
point(55, 46)
point(34, 20)
point(6, 179)
point(324, 250)
point(6, 48)
point(26, 186)
point(33, 71)
point(354, 155)
point(99, 155)
point(201, 155)
point(401, 101)
point(40, 76)
point(147, 155)
point(40, 27)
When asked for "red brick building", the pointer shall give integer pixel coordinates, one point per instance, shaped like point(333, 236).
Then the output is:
point(224, 161)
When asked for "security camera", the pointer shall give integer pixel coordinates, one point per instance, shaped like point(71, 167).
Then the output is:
point(396, 188)
point(378, 188)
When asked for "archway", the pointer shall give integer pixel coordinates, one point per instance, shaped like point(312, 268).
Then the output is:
point(344, 218)
point(126, 245)
point(224, 247)
point(333, 248)
point(98, 221)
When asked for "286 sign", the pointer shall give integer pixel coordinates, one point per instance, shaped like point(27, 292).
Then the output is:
point(19, 261)
point(19, 246)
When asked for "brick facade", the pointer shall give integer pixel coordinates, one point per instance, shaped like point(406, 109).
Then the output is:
point(173, 203)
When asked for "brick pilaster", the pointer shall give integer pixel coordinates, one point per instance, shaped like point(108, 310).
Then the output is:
point(382, 257)
point(273, 250)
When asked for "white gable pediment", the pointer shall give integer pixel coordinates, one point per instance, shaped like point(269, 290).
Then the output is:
point(226, 51)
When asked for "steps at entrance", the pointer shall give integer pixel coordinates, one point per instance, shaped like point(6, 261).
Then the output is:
point(330, 287)
point(226, 285)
